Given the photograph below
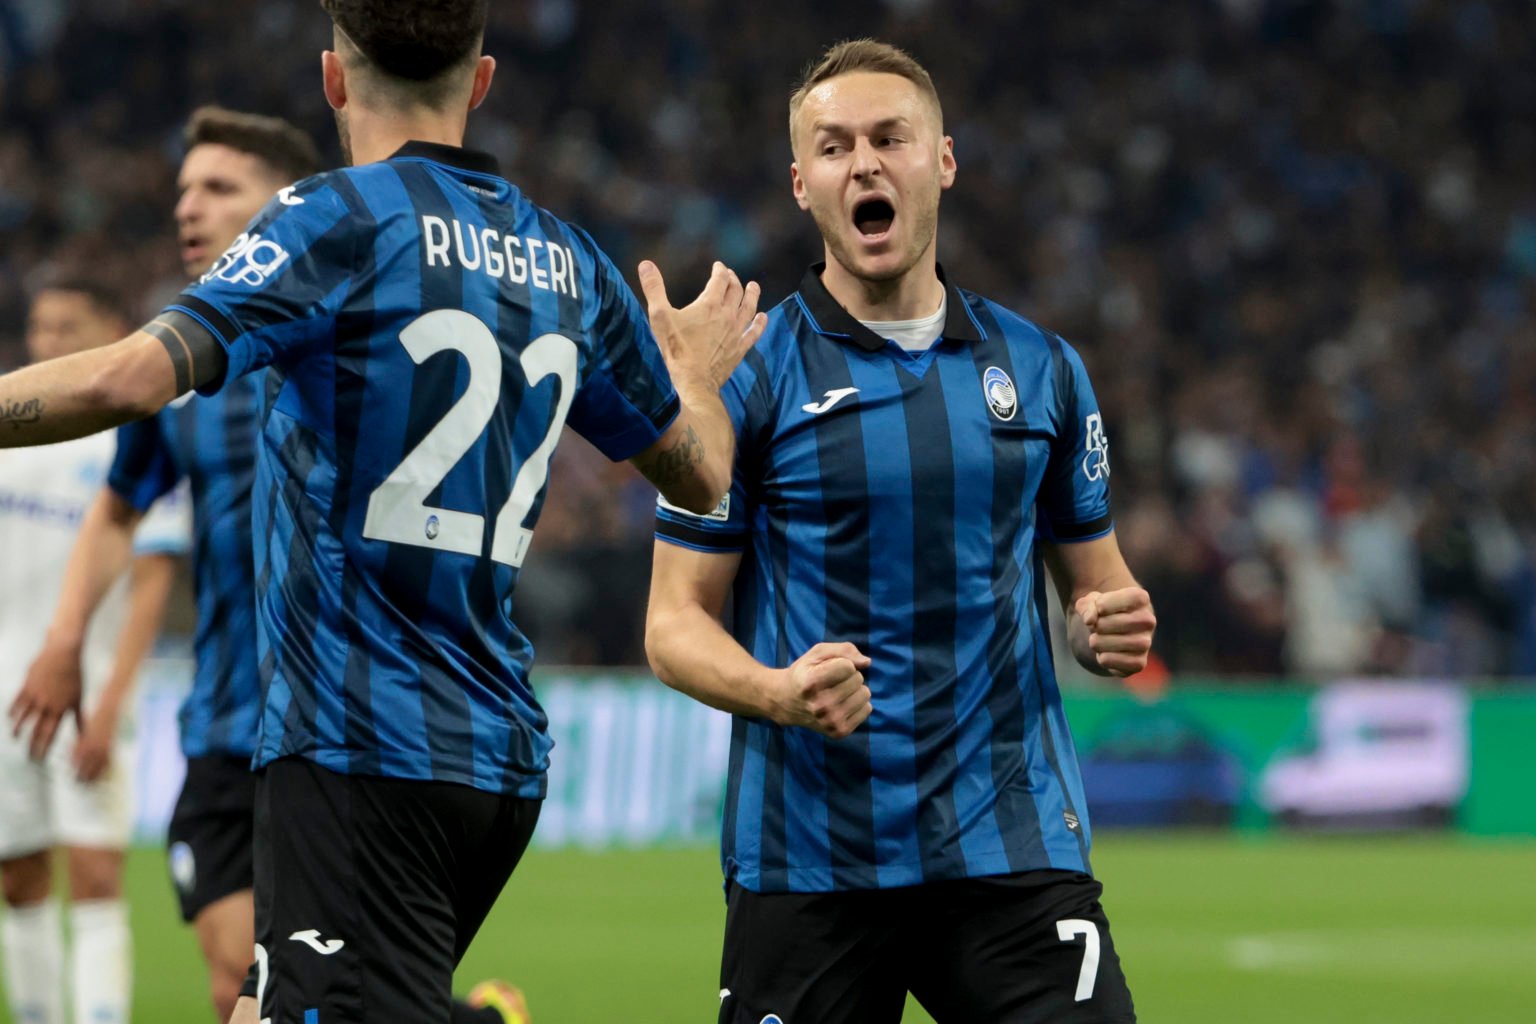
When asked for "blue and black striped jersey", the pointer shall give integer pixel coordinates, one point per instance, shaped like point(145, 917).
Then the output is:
point(430, 330)
point(210, 441)
point(895, 500)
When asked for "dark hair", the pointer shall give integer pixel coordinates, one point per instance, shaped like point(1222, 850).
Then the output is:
point(863, 55)
point(104, 299)
point(289, 152)
point(413, 40)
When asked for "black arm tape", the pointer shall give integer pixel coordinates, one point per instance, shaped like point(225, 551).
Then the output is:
point(196, 354)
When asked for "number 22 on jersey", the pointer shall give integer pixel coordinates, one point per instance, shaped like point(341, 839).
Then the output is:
point(397, 509)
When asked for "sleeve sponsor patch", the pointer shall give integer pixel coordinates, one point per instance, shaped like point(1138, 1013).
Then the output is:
point(721, 514)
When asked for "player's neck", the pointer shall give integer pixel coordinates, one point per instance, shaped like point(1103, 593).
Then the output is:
point(912, 296)
point(376, 136)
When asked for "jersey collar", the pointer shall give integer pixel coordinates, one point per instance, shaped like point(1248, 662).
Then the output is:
point(832, 320)
point(453, 156)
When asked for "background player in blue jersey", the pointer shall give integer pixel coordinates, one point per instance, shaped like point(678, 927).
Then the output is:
point(429, 331)
point(904, 808)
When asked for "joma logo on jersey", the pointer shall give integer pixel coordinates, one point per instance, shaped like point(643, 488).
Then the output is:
point(1096, 461)
point(251, 260)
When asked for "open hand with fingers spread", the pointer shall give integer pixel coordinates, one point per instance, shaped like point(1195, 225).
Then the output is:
point(824, 690)
point(704, 341)
point(1120, 624)
point(51, 691)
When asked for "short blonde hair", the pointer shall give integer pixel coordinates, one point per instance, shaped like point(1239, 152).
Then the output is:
point(863, 55)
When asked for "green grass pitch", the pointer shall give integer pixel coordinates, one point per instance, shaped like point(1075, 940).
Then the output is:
point(1215, 928)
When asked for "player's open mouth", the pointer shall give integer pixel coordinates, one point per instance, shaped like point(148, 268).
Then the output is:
point(873, 218)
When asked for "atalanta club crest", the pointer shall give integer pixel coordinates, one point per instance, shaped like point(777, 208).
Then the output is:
point(1001, 397)
point(183, 867)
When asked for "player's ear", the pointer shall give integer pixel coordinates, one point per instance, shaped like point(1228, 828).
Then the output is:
point(798, 184)
point(485, 69)
point(947, 165)
point(335, 79)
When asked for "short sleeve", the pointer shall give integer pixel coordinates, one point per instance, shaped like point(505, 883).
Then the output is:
point(274, 291)
point(143, 468)
point(748, 399)
point(626, 400)
point(1074, 496)
point(167, 528)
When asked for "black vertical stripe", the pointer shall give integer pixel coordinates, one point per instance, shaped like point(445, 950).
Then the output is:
point(239, 424)
point(847, 567)
point(930, 444)
point(774, 855)
point(355, 324)
point(293, 648)
point(514, 331)
point(1017, 816)
point(740, 731)
point(410, 570)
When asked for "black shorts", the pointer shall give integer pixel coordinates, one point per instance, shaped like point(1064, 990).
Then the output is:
point(369, 889)
point(212, 830)
point(1015, 949)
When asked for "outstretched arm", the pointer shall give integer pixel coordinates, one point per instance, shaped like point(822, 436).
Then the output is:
point(691, 652)
point(88, 392)
point(1110, 621)
point(702, 343)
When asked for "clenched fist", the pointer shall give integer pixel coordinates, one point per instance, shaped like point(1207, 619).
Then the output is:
point(824, 690)
point(1120, 625)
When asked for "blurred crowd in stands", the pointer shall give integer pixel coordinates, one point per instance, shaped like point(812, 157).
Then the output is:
point(1294, 240)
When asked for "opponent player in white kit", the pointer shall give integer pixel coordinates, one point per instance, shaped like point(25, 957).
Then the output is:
point(79, 796)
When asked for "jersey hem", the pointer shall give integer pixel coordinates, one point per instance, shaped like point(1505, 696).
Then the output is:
point(524, 786)
point(891, 876)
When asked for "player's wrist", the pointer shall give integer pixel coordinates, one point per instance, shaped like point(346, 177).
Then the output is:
point(777, 695)
point(695, 385)
point(65, 639)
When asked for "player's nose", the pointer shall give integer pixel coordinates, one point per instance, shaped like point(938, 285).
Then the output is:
point(187, 208)
point(866, 161)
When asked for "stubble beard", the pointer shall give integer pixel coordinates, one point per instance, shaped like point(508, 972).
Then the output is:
point(834, 233)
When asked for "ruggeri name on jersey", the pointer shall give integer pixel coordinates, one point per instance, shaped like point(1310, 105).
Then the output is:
point(544, 264)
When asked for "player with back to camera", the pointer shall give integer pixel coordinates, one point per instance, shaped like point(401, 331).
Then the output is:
point(430, 330)
point(79, 797)
point(234, 163)
point(904, 810)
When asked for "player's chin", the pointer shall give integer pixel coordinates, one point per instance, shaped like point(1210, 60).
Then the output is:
point(883, 264)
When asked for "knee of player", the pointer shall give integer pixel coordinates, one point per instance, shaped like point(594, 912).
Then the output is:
point(224, 988)
point(93, 877)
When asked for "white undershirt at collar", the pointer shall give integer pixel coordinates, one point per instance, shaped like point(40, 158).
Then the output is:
point(912, 335)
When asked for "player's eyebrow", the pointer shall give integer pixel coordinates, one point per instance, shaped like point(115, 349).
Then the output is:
point(885, 124)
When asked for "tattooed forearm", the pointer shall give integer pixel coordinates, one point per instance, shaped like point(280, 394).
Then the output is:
point(18, 412)
point(673, 464)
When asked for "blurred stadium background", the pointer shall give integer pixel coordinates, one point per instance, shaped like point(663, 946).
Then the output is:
point(1296, 243)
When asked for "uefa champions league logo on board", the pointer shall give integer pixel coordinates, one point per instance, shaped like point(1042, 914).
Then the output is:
point(998, 389)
